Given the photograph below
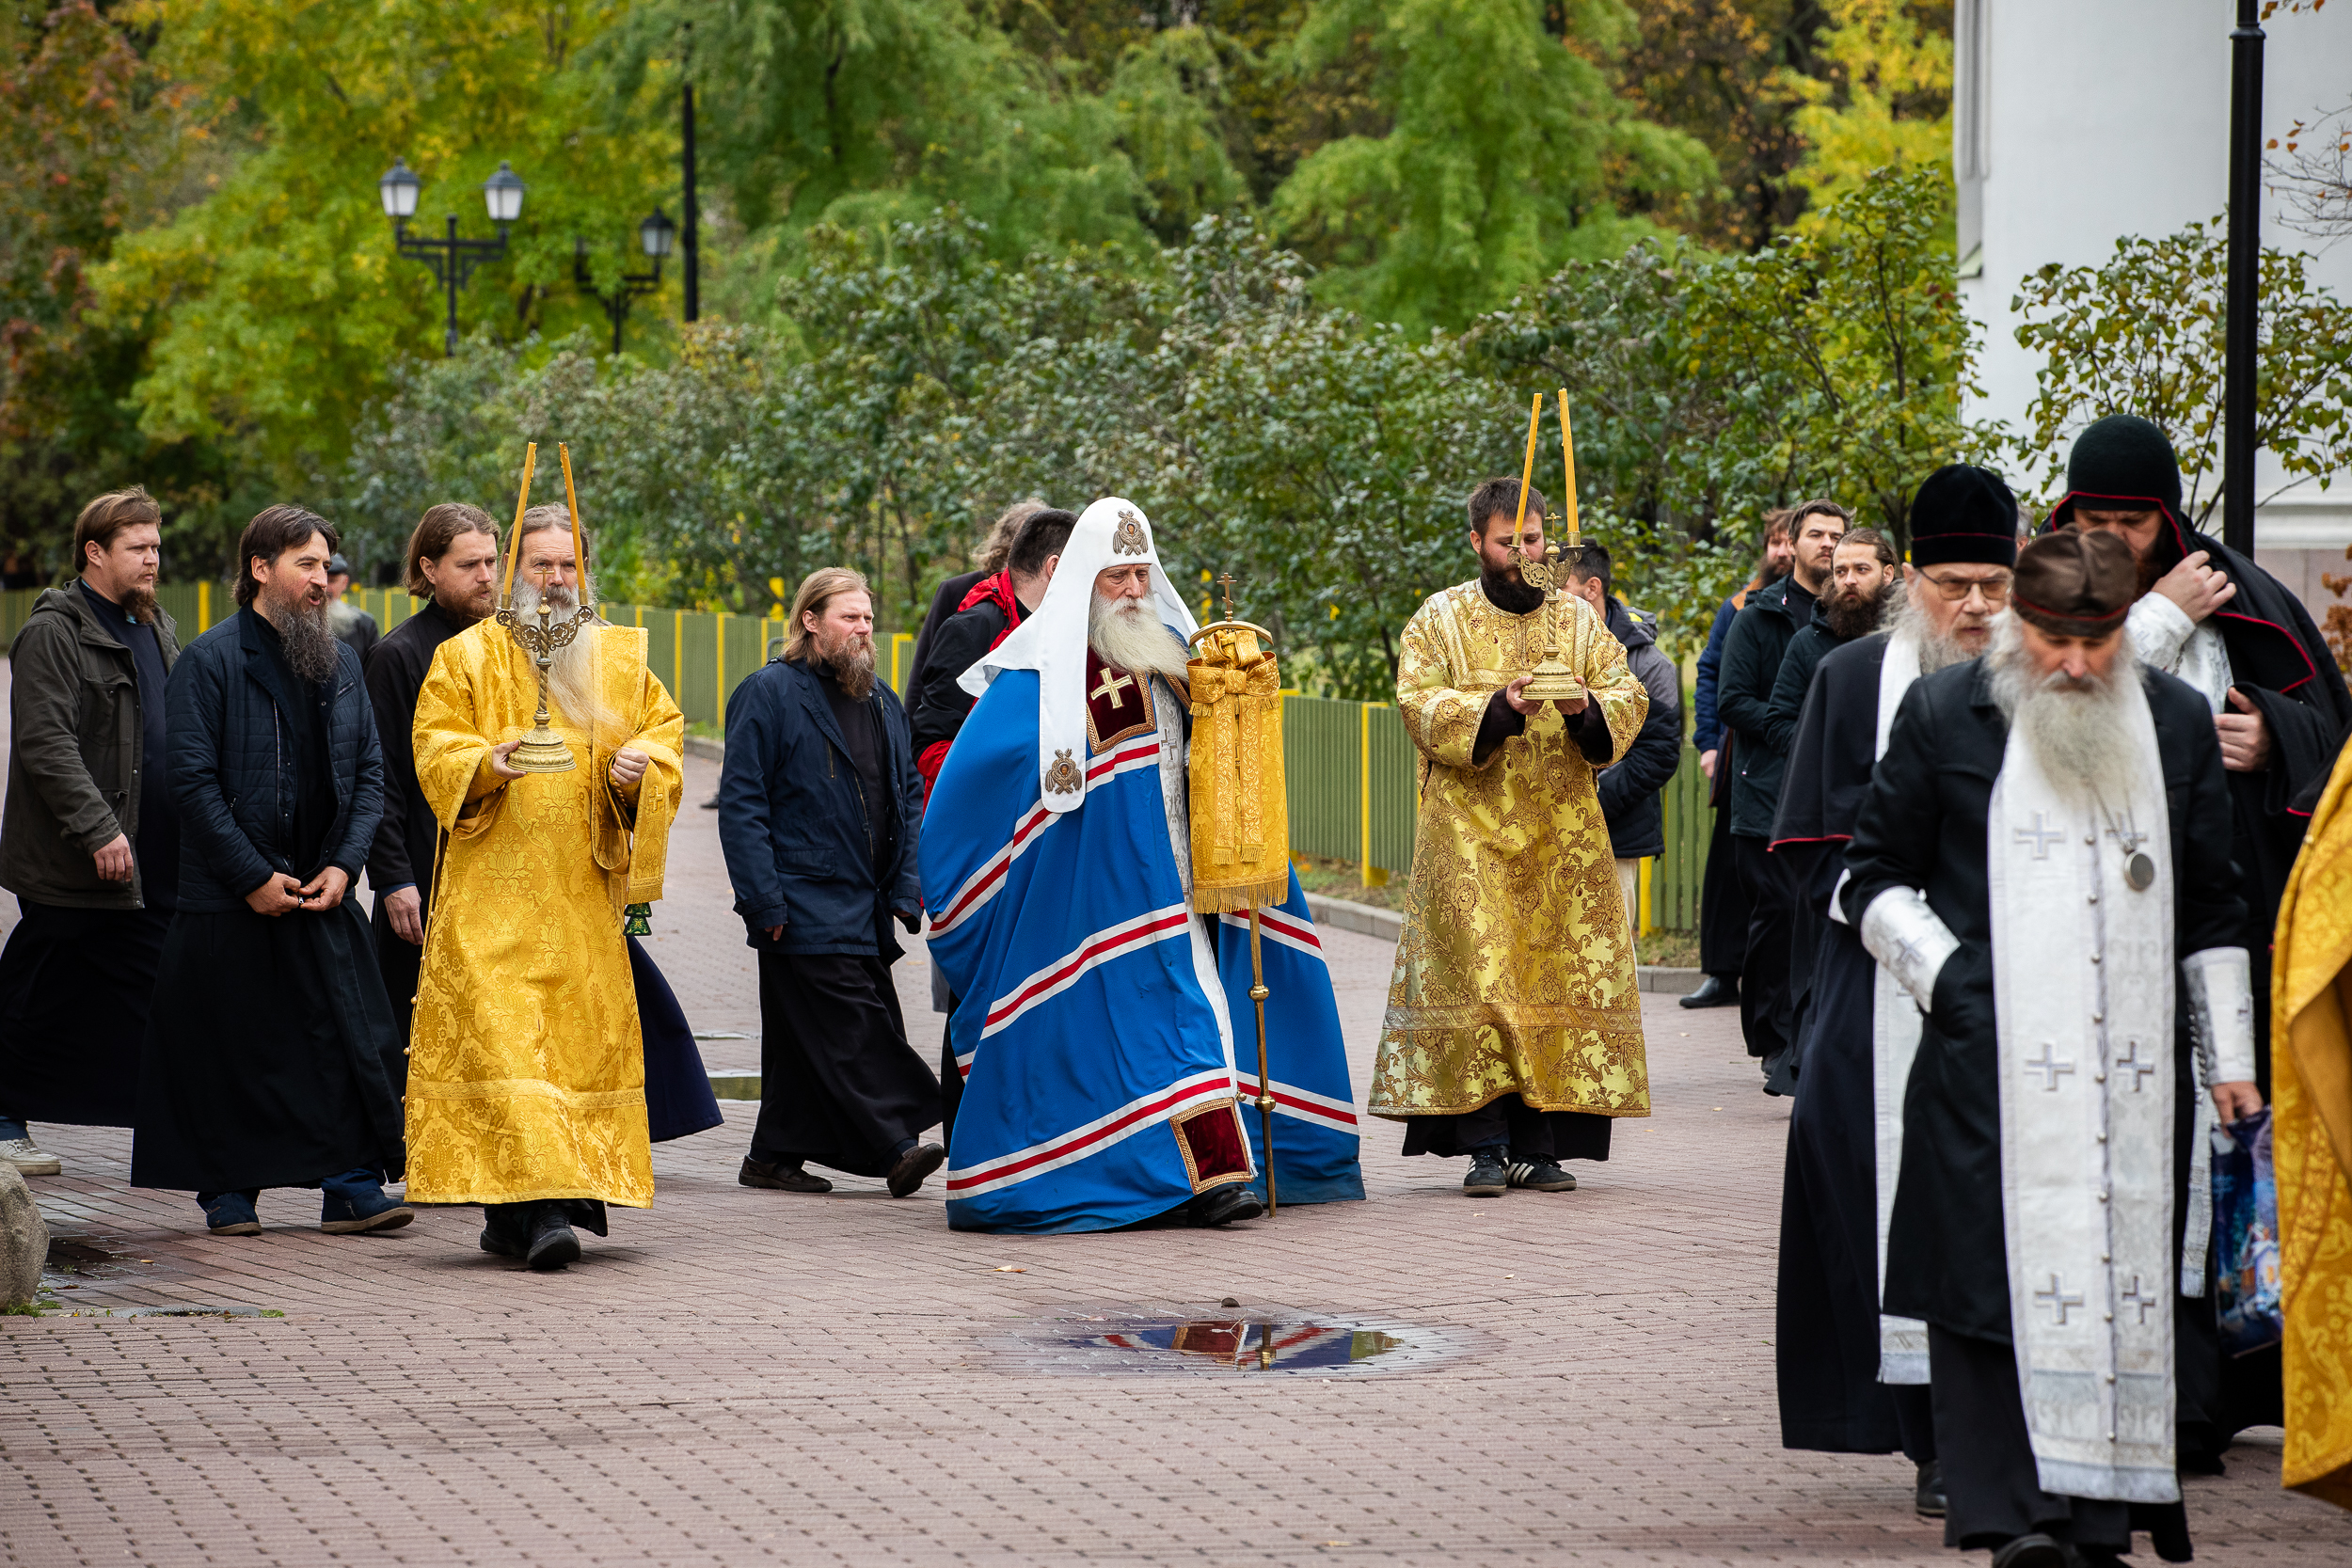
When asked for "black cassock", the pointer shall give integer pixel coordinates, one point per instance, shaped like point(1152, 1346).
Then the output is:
point(1923, 826)
point(1826, 1340)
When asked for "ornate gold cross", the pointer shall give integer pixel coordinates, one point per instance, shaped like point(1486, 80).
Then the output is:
point(1111, 685)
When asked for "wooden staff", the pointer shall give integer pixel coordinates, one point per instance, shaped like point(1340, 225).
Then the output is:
point(1265, 1079)
point(1526, 469)
point(571, 503)
point(1567, 456)
point(515, 540)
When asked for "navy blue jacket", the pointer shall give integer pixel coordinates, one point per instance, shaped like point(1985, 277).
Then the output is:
point(793, 827)
point(1707, 734)
point(232, 771)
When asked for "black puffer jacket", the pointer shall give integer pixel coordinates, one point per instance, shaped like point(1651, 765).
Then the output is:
point(1752, 655)
point(1631, 789)
point(232, 767)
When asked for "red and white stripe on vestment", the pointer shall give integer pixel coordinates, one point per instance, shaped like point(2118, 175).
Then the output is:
point(1274, 926)
point(983, 885)
point(1100, 948)
point(1292, 1100)
point(1079, 1143)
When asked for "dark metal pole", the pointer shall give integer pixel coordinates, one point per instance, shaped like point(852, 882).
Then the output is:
point(449, 339)
point(2237, 391)
point(692, 237)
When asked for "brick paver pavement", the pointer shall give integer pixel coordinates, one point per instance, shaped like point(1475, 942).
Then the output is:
point(739, 1376)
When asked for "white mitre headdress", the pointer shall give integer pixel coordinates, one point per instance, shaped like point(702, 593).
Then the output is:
point(1053, 642)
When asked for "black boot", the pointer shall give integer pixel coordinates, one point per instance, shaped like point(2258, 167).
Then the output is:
point(552, 1242)
point(1929, 1494)
point(783, 1176)
point(1714, 991)
point(506, 1228)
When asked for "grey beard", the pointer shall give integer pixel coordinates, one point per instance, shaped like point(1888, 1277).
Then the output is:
point(1937, 650)
point(1133, 639)
point(572, 672)
point(302, 632)
point(852, 664)
point(2078, 732)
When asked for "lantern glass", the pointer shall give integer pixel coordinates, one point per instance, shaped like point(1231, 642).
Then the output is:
point(502, 193)
point(657, 235)
point(399, 189)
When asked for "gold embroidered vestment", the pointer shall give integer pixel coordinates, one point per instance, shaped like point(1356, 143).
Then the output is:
point(1514, 972)
point(526, 1068)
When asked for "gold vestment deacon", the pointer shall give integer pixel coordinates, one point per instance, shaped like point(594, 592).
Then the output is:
point(527, 1068)
point(2311, 1133)
point(1514, 972)
point(1240, 817)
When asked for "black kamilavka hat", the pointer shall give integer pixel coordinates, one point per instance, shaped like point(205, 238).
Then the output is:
point(1963, 514)
point(2122, 460)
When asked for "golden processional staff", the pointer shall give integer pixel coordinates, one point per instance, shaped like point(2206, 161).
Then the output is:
point(1240, 817)
point(1550, 678)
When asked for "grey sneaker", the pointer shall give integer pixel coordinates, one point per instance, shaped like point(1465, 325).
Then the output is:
point(29, 1158)
point(1542, 1176)
point(1488, 1177)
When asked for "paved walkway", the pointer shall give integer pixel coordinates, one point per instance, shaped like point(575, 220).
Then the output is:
point(745, 1377)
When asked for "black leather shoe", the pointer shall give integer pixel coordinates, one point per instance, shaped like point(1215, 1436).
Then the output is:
point(2032, 1551)
point(914, 1167)
point(1780, 1072)
point(1224, 1205)
point(1714, 991)
point(552, 1240)
point(1928, 1495)
point(779, 1176)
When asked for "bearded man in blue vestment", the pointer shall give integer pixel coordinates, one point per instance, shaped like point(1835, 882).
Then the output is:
point(1096, 1026)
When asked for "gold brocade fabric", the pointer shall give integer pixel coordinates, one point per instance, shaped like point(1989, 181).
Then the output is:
point(2310, 1081)
point(1240, 817)
point(1516, 969)
point(527, 1068)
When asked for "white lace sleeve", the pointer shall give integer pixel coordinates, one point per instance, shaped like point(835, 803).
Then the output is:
point(2158, 628)
point(1910, 939)
point(2221, 997)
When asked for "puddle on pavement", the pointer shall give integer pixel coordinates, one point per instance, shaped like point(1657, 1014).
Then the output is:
point(1214, 1343)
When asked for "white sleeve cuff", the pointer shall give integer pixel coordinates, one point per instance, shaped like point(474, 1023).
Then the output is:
point(1838, 898)
point(2221, 997)
point(2159, 629)
point(1910, 939)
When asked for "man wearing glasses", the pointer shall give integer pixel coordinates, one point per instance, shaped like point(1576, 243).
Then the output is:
point(1849, 1384)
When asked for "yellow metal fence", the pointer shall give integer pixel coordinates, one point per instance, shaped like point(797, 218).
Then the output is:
point(1354, 790)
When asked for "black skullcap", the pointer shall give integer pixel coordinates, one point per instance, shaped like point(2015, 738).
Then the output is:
point(338, 566)
point(2076, 582)
point(2124, 462)
point(1963, 514)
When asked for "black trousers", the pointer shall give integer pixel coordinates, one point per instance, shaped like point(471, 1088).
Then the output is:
point(1508, 1120)
point(1764, 973)
point(840, 1086)
point(1992, 1490)
point(1723, 909)
point(74, 988)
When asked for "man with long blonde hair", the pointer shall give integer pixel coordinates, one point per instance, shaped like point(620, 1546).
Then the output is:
point(820, 808)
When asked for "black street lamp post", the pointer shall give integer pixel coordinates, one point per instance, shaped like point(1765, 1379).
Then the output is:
point(692, 260)
point(656, 237)
point(452, 259)
point(2239, 315)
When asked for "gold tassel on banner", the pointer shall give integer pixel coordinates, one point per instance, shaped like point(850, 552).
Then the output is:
point(1240, 818)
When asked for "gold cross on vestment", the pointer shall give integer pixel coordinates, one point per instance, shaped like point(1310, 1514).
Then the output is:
point(1110, 687)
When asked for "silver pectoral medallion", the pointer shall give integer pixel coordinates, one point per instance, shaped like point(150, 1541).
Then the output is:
point(2138, 870)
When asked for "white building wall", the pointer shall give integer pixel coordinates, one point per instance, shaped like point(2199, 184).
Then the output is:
point(2079, 122)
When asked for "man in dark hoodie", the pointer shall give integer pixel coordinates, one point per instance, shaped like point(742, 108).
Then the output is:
point(1752, 655)
point(1631, 788)
point(2220, 622)
point(91, 841)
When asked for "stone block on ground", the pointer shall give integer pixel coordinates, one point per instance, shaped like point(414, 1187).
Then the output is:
point(24, 1239)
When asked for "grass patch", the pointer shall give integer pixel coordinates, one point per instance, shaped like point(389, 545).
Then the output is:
point(1670, 949)
point(1343, 879)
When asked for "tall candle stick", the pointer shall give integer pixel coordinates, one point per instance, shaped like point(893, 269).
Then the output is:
point(515, 540)
point(1567, 456)
point(571, 501)
point(1526, 469)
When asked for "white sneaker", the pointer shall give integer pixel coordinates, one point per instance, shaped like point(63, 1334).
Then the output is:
point(29, 1158)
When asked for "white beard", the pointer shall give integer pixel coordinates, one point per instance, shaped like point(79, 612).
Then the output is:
point(1936, 650)
point(572, 673)
point(1127, 633)
point(2080, 734)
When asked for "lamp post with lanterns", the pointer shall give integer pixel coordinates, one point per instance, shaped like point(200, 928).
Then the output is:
point(657, 237)
point(452, 259)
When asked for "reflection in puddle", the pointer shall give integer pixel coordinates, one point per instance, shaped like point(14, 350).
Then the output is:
point(1127, 1342)
point(1250, 1347)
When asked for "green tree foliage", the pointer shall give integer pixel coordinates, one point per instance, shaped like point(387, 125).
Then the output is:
point(2143, 334)
point(94, 142)
point(1878, 93)
point(274, 309)
point(1505, 151)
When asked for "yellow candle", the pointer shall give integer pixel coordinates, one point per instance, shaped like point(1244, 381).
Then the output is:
point(1527, 470)
point(1567, 456)
point(515, 540)
point(571, 502)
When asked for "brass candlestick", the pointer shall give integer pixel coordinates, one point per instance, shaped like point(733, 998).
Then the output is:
point(1551, 679)
point(542, 750)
